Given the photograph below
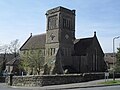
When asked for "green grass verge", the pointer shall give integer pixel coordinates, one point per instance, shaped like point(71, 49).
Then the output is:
point(110, 82)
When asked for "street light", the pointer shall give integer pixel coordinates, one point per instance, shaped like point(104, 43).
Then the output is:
point(114, 55)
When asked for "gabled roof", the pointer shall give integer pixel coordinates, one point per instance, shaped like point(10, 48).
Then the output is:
point(34, 42)
point(14, 61)
point(83, 45)
point(8, 57)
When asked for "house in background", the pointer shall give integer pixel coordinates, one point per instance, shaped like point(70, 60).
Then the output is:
point(4, 58)
point(109, 58)
point(12, 66)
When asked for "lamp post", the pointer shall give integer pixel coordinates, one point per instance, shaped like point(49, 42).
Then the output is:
point(114, 57)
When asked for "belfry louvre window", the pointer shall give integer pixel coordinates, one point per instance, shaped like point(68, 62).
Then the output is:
point(66, 23)
point(52, 22)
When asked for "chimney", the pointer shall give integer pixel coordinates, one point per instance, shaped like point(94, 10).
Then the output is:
point(31, 34)
point(94, 33)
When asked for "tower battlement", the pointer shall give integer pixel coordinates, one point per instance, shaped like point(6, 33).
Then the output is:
point(58, 9)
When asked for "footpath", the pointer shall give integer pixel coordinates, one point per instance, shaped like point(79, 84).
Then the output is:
point(95, 83)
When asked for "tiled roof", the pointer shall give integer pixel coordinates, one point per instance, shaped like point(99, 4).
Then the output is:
point(34, 42)
point(8, 57)
point(81, 45)
point(14, 61)
point(109, 58)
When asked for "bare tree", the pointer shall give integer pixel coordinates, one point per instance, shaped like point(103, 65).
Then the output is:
point(4, 48)
point(13, 47)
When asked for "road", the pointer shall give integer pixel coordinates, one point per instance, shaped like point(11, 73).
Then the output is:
point(99, 88)
point(3, 86)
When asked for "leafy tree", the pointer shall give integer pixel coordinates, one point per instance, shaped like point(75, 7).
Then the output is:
point(117, 66)
point(24, 62)
point(32, 61)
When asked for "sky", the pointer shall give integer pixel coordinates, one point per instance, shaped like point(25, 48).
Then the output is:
point(19, 18)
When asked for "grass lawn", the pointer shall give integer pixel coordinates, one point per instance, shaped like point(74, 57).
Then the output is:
point(111, 82)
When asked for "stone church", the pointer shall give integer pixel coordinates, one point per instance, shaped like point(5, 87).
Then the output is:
point(63, 53)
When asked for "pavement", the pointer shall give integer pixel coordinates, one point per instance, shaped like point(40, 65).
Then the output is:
point(95, 83)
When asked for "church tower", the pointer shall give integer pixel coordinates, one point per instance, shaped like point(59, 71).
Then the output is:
point(60, 33)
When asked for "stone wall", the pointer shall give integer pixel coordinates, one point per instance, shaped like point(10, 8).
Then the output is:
point(52, 79)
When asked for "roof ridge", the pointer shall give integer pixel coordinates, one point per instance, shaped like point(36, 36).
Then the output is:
point(84, 38)
point(39, 34)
